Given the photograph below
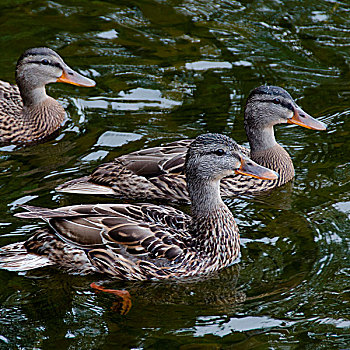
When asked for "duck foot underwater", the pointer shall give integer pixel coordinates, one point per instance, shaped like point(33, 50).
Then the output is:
point(144, 242)
point(121, 306)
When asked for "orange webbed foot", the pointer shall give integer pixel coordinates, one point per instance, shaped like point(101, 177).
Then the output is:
point(122, 306)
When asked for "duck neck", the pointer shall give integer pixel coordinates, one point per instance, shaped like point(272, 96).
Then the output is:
point(213, 227)
point(41, 113)
point(265, 151)
point(32, 94)
point(205, 196)
point(260, 138)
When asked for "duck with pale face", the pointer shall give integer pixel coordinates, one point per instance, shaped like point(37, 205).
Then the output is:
point(145, 241)
point(158, 172)
point(27, 113)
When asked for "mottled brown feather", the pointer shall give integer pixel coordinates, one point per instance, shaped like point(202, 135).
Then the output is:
point(158, 173)
point(146, 241)
point(27, 114)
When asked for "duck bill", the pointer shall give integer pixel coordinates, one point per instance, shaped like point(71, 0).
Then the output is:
point(250, 168)
point(303, 119)
point(70, 76)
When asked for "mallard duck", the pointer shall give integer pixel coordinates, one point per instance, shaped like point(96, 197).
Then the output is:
point(145, 241)
point(157, 173)
point(27, 114)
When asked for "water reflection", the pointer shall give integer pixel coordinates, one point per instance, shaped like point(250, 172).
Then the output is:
point(168, 70)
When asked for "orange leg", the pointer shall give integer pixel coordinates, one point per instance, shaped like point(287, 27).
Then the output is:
point(123, 306)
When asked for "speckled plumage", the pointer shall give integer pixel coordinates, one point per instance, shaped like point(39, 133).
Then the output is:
point(145, 241)
point(158, 173)
point(18, 126)
point(27, 114)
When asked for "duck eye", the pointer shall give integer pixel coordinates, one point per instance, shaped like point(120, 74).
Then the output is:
point(220, 152)
point(45, 61)
point(276, 101)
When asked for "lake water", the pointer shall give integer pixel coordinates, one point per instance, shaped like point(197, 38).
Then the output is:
point(172, 69)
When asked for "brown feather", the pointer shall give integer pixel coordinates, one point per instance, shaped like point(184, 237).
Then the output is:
point(158, 172)
point(27, 114)
point(147, 241)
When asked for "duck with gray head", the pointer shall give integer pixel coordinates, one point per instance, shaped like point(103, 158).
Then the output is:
point(146, 241)
point(158, 173)
point(27, 113)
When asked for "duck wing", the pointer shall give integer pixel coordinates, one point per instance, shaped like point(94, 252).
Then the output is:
point(10, 98)
point(11, 105)
point(119, 232)
point(153, 173)
point(155, 161)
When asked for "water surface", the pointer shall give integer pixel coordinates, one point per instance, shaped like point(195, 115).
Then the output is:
point(173, 69)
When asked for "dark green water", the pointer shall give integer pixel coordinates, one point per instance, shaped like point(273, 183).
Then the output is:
point(167, 70)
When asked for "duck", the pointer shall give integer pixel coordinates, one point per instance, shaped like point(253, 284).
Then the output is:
point(145, 241)
point(27, 113)
point(158, 173)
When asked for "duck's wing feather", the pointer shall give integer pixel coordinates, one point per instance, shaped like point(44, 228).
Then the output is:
point(10, 98)
point(156, 161)
point(153, 173)
point(146, 230)
point(11, 105)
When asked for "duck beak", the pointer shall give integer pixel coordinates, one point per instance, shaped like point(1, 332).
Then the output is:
point(250, 168)
point(70, 76)
point(303, 119)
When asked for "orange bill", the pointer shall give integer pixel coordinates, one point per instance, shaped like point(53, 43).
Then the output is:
point(70, 76)
point(250, 168)
point(303, 119)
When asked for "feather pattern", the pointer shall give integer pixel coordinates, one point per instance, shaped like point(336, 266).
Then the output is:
point(147, 241)
point(158, 173)
point(27, 114)
point(154, 173)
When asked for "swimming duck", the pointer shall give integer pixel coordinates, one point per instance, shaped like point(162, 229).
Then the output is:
point(145, 241)
point(157, 173)
point(27, 114)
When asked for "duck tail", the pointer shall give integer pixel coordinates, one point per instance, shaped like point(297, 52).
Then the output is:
point(15, 257)
point(83, 186)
